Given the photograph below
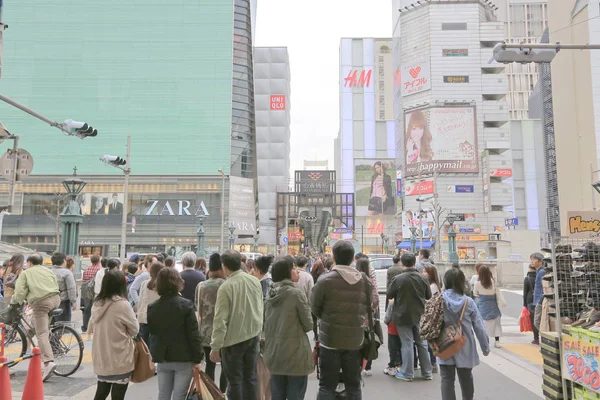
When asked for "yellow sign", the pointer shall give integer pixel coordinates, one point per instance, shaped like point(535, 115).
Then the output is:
point(583, 224)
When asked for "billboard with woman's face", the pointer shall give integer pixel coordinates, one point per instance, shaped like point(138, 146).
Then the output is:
point(375, 193)
point(440, 139)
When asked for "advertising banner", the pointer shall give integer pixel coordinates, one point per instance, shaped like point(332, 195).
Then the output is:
point(461, 189)
point(456, 78)
point(580, 361)
point(375, 194)
point(583, 224)
point(416, 77)
point(315, 182)
point(501, 172)
point(418, 188)
point(277, 102)
point(242, 205)
point(399, 183)
point(440, 139)
point(411, 219)
point(455, 52)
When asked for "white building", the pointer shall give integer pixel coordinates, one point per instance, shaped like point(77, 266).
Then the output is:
point(452, 101)
point(272, 96)
point(367, 137)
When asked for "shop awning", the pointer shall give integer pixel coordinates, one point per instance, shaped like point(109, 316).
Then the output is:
point(427, 244)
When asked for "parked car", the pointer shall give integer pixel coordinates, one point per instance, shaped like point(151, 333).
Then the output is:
point(252, 256)
point(374, 256)
point(380, 266)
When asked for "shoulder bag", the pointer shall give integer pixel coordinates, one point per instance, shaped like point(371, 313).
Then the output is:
point(370, 347)
point(144, 367)
point(451, 339)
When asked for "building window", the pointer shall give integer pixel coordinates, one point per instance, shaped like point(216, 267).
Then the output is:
point(454, 26)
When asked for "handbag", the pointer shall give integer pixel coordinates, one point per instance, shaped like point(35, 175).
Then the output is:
point(500, 298)
point(376, 204)
point(370, 347)
point(144, 368)
point(451, 339)
point(203, 388)
point(264, 379)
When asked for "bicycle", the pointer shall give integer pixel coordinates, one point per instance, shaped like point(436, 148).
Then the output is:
point(67, 344)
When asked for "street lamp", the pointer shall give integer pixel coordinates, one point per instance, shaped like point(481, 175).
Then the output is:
point(231, 236)
point(413, 240)
point(256, 237)
point(123, 165)
point(71, 216)
point(200, 232)
point(452, 253)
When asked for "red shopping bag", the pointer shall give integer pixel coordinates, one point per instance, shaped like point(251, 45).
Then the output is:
point(525, 321)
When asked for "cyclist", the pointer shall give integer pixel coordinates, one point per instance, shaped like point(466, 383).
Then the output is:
point(38, 286)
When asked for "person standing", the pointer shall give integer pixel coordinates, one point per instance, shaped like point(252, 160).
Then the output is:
point(37, 285)
point(148, 295)
point(288, 355)
point(528, 290)
point(489, 303)
point(66, 286)
point(392, 272)
point(206, 300)
point(410, 290)
point(89, 274)
point(362, 265)
point(113, 326)
point(431, 274)
point(191, 276)
point(339, 300)
point(467, 358)
point(13, 269)
point(201, 265)
point(537, 261)
point(423, 259)
point(237, 324)
point(136, 286)
point(174, 338)
point(305, 280)
point(261, 272)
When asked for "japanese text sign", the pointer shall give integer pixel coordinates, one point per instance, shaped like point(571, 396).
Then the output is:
point(416, 77)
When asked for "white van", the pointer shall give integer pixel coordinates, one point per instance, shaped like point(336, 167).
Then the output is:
point(252, 256)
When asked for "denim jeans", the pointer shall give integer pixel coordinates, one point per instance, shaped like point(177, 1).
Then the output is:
point(288, 387)
point(408, 335)
point(330, 363)
point(465, 377)
point(145, 333)
point(239, 363)
point(394, 347)
point(174, 379)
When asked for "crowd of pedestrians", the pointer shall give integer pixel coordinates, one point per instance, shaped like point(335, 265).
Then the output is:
point(239, 313)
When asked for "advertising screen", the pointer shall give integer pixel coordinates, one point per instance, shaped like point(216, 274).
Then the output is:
point(410, 218)
point(440, 139)
point(375, 193)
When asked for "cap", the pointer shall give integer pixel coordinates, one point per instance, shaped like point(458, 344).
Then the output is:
point(135, 258)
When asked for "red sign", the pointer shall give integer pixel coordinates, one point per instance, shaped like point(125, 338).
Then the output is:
point(295, 235)
point(501, 172)
point(417, 188)
point(355, 80)
point(277, 102)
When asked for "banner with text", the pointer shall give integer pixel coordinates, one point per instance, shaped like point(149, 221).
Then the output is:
point(416, 77)
point(583, 224)
point(242, 205)
point(440, 139)
point(580, 361)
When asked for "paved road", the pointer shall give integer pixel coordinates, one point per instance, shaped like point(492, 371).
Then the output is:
point(504, 374)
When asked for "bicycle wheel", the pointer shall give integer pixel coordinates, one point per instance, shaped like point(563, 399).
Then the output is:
point(15, 342)
point(67, 347)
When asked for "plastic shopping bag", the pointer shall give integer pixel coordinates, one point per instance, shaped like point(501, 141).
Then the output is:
point(525, 321)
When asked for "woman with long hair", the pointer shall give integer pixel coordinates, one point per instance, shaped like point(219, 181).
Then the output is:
point(418, 139)
point(174, 337)
point(363, 265)
point(11, 274)
point(148, 295)
point(430, 272)
point(488, 303)
point(113, 325)
point(463, 362)
point(318, 269)
point(381, 198)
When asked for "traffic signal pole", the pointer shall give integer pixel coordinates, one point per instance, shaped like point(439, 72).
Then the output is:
point(13, 178)
point(127, 171)
point(33, 113)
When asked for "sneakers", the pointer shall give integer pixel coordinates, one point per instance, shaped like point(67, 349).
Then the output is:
point(435, 369)
point(535, 342)
point(402, 377)
point(47, 370)
point(367, 372)
point(428, 378)
point(391, 371)
point(496, 344)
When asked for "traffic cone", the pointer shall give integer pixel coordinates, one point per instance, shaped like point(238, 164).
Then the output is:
point(34, 387)
point(5, 392)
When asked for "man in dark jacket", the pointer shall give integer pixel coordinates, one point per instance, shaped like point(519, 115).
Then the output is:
point(339, 300)
point(528, 289)
point(409, 290)
point(392, 272)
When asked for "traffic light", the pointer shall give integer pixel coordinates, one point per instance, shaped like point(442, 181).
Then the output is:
point(523, 55)
point(113, 160)
point(79, 129)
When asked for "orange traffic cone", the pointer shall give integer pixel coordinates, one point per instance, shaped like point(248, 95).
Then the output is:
point(34, 387)
point(5, 392)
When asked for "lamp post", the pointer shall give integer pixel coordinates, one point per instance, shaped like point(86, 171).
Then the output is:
point(256, 237)
point(222, 172)
point(452, 253)
point(413, 240)
point(231, 236)
point(71, 217)
point(200, 232)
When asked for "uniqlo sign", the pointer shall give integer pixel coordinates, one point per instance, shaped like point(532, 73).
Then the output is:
point(277, 102)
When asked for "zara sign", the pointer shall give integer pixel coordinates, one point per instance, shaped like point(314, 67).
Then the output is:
point(180, 207)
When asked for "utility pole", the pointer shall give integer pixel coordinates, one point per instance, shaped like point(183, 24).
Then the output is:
point(287, 225)
point(13, 178)
point(222, 171)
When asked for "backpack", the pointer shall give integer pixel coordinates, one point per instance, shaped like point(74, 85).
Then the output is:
point(87, 289)
point(432, 320)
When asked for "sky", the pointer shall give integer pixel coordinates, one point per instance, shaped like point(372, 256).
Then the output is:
point(311, 30)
